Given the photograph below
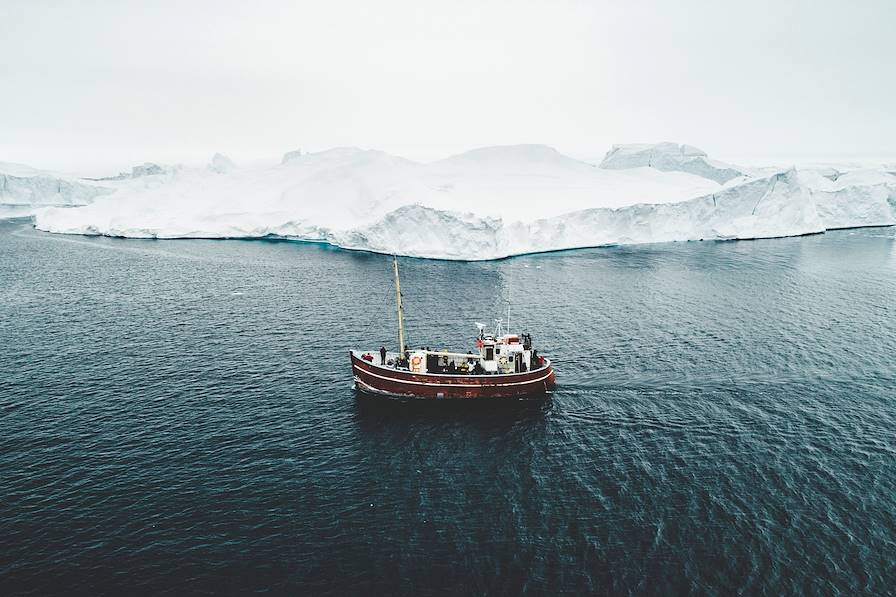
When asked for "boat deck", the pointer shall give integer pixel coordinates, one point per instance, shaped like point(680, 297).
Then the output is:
point(359, 354)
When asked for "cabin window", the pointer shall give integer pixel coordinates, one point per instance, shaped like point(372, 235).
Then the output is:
point(489, 353)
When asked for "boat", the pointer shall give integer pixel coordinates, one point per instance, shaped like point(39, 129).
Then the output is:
point(504, 365)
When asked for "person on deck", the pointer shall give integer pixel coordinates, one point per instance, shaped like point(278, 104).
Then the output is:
point(382, 355)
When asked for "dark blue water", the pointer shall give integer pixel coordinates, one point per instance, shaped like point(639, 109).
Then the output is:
point(177, 417)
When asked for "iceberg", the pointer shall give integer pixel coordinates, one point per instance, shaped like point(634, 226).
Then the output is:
point(488, 203)
point(138, 171)
point(290, 155)
point(221, 164)
point(670, 157)
point(23, 187)
point(776, 206)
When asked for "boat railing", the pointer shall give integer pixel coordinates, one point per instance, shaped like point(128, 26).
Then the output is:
point(393, 361)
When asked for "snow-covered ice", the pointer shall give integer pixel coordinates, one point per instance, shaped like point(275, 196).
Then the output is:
point(483, 204)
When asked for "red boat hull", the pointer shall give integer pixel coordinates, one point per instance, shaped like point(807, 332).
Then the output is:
point(395, 383)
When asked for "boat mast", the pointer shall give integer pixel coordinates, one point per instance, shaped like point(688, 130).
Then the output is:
point(508, 318)
point(401, 345)
point(509, 298)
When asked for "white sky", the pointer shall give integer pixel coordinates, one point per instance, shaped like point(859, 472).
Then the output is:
point(99, 86)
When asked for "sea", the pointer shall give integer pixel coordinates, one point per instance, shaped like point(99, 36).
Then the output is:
point(178, 417)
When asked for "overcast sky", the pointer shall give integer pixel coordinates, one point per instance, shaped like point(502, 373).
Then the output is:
point(103, 85)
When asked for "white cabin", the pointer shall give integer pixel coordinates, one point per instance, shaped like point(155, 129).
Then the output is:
point(497, 354)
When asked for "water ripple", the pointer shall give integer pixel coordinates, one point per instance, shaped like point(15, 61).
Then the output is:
point(178, 417)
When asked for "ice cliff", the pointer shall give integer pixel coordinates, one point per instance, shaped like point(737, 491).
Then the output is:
point(23, 186)
point(485, 204)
